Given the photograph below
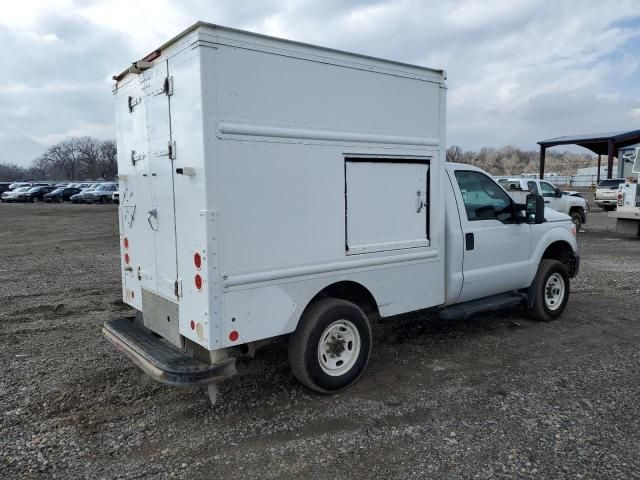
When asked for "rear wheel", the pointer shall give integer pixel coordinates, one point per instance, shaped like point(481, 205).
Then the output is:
point(550, 290)
point(103, 200)
point(330, 349)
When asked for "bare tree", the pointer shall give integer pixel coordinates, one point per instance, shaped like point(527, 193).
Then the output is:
point(454, 153)
point(108, 159)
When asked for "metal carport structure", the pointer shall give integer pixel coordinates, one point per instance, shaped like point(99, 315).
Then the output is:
point(599, 143)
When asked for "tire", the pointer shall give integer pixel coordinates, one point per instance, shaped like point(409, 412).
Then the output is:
point(549, 305)
point(576, 218)
point(321, 327)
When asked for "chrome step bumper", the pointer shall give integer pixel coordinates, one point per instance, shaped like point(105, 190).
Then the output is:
point(163, 362)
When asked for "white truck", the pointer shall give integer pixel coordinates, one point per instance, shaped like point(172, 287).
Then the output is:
point(574, 206)
point(627, 213)
point(273, 188)
point(606, 196)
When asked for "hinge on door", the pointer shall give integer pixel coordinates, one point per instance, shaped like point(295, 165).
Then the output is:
point(177, 288)
point(132, 102)
point(168, 86)
point(136, 157)
point(172, 150)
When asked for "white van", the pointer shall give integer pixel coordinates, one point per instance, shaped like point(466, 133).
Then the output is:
point(269, 188)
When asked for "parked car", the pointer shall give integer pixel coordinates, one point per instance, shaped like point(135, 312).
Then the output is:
point(607, 193)
point(4, 187)
point(115, 197)
point(15, 185)
point(35, 194)
point(82, 196)
point(102, 193)
point(62, 194)
point(519, 188)
point(11, 195)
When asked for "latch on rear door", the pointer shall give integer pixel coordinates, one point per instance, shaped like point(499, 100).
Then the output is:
point(133, 101)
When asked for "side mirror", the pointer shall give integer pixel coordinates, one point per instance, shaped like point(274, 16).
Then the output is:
point(558, 193)
point(535, 209)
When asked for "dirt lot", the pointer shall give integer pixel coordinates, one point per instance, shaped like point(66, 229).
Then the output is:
point(490, 397)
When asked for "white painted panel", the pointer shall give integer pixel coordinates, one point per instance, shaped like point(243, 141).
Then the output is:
point(386, 206)
point(276, 90)
point(283, 205)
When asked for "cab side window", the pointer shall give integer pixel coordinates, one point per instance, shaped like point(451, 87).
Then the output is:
point(548, 190)
point(533, 188)
point(483, 198)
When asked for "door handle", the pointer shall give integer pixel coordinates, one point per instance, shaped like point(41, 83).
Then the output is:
point(420, 202)
point(153, 213)
point(547, 201)
point(469, 241)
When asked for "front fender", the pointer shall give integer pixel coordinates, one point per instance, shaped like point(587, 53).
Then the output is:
point(559, 233)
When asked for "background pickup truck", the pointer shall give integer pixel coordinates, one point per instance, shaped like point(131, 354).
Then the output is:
point(575, 207)
point(607, 193)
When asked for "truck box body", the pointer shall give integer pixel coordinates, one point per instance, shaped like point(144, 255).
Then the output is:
point(255, 171)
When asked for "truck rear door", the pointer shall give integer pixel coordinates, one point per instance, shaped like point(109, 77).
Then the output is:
point(496, 249)
point(147, 195)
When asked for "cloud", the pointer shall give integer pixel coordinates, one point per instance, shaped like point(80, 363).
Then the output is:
point(518, 71)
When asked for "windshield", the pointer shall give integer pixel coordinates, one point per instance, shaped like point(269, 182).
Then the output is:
point(510, 184)
point(58, 190)
point(610, 183)
point(102, 188)
point(33, 189)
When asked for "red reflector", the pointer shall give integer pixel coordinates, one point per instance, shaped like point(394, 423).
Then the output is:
point(197, 260)
point(198, 281)
point(233, 336)
point(193, 325)
point(126, 258)
point(126, 242)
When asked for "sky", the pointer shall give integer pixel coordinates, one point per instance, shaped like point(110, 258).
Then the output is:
point(518, 71)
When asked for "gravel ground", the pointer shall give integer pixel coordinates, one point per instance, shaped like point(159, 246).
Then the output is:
point(494, 396)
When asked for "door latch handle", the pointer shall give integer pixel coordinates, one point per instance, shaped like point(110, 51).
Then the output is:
point(469, 241)
point(153, 213)
point(420, 203)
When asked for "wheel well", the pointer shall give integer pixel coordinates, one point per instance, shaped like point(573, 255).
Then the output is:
point(352, 292)
point(560, 251)
point(576, 209)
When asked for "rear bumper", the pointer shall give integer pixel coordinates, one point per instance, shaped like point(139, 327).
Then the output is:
point(163, 362)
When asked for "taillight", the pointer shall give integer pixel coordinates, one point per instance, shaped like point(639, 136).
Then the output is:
point(197, 260)
point(198, 282)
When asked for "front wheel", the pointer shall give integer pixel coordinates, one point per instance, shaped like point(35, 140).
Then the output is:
point(330, 349)
point(576, 218)
point(550, 290)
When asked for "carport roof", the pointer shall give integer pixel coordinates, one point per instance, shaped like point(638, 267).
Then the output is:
point(596, 142)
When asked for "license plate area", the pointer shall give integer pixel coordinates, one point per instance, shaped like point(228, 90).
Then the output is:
point(161, 316)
